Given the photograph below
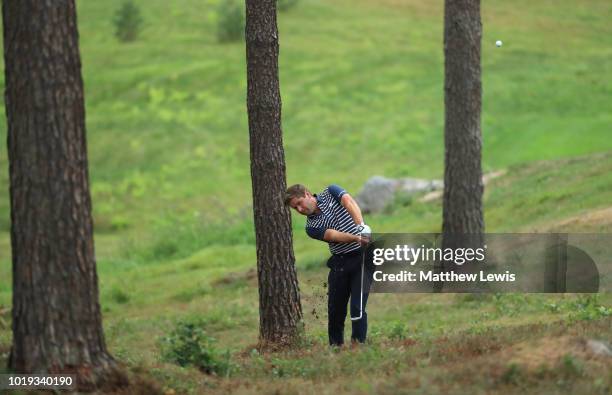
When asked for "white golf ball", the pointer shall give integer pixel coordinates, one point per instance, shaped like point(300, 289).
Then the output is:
point(498, 43)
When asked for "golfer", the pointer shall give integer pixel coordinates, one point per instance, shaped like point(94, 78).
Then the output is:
point(334, 217)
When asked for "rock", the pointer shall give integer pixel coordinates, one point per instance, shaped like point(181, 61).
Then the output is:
point(378, 192)
point(437, 194)
point(599, 348)
point(431, 196)
point(416, 185)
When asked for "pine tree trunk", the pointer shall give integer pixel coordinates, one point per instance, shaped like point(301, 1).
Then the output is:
point(463, 222)
point(57, 324)
point(280, 310)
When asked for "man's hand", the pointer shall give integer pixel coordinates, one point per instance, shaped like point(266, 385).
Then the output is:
point(365, 233)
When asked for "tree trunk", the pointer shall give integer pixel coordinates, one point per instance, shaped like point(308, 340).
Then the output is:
point(463, 222)
point(555, 263)
point(57, 324)
point(280, 311)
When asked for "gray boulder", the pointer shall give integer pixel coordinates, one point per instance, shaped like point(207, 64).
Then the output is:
point(378, 192)
point(599, 348)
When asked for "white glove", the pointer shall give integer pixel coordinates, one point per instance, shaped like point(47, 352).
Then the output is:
point(365, 233)
point(364, 230)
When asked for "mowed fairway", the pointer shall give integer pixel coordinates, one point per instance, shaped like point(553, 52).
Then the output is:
point(362, 92)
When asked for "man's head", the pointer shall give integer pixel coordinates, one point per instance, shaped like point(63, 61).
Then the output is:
point(299, 198)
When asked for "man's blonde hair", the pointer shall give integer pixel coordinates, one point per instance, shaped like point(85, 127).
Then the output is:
point(295, 191)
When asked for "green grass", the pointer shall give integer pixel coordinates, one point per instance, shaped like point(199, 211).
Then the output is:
point(144, 296)
point(361, 82)
point(170, 107)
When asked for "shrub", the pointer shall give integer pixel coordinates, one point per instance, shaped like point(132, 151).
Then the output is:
point(120, 296)
point(398, 331)
point(571, 367)
point(587, 307)
point(188, 344)
point(512, 374)
point(230, 21)
point(127, 22)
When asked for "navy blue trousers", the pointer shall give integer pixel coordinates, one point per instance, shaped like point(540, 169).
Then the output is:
point(344, 282)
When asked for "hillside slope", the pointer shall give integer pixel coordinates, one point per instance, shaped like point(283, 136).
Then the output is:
point(362, 94)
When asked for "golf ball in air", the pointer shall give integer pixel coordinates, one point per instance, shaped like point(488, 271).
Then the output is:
point(498, 43)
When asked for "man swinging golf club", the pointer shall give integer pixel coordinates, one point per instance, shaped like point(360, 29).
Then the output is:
point(334, 216)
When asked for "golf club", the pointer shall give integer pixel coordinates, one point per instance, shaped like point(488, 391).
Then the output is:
point(363, 254)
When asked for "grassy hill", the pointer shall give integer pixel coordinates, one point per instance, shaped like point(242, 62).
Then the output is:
point(361, 82)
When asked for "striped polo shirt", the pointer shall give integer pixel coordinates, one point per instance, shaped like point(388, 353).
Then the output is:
point(332, 216)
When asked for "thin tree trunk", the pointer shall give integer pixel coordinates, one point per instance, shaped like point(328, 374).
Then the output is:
point(57, 324)
point(463, 222)
point(280, 311)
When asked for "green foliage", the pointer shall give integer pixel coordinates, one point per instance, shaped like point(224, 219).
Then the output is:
point(587, 307)
point(128, 22)
point(474, 299)
point(119, 295)
point(580, 308)
point(398, 331)
point(284, 5)
point(119, 222)
point(571, 366)
point(553, 307)
point(230, 21)
point(584, 307)
point(189, 344)
point(512, 374)
point(510, 304)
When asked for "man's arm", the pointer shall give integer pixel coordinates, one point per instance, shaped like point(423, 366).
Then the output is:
point(331, 235)
point(352, 207)
point(340, 237)
point(347, 202)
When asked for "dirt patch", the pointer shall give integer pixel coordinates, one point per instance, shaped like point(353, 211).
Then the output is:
point(549, 352)
point(486, 179)
point(250, 276)
point(594, 220)
point(408, 342)
point(142, 385)
point(539, 356)
point(546, 351)
point(469, 347)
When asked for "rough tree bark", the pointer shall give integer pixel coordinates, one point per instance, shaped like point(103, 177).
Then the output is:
point(280, 311)
point(57, 324)
point(463, 223)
